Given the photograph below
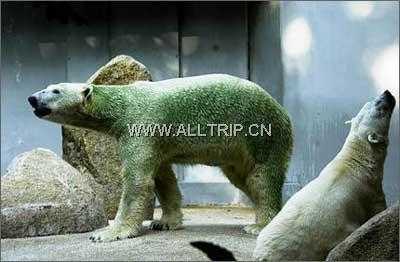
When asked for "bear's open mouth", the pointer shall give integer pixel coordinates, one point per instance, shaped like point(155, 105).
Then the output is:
point(41, 111)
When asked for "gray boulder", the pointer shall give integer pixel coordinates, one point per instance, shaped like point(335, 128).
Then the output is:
point(377, 239)
point(95, 154)
point(121, 70)
point(43, 195)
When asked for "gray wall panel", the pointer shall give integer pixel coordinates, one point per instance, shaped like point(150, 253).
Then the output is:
point(214, 39)
point(33, 56)
point(265, 48)
point(147, 32)
point(88, 41)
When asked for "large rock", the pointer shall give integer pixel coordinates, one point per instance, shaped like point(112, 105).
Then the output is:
point(96, 154)
point(121, 70)
point(41, 194)
point(377, 239)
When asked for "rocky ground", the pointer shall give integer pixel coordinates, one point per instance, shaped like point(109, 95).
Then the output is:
point(218, 225)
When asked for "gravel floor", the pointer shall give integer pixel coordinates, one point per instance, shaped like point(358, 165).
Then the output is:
point(218, 225)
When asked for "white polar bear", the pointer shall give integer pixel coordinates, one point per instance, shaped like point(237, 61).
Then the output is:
point(346, 194)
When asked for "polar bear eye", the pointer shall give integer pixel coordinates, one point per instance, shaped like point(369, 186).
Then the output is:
point(56, 91)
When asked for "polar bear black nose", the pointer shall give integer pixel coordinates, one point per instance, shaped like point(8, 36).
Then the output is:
point(387, 92)
point(33, 101)
point(389, 98)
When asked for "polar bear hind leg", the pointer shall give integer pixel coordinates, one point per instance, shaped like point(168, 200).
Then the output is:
point(170, 198)
point(264, 187)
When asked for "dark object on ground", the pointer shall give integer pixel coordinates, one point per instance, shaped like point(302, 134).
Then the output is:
point(214, 252)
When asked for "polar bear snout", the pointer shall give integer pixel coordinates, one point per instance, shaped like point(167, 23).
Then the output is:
point(33, 101)
point(39, 109)
point(385, 101)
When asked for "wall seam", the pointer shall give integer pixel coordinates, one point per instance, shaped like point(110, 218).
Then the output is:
point(282, 93)
point(66, 43)
point(108, 41)
point(179, 29)
point(247, 20)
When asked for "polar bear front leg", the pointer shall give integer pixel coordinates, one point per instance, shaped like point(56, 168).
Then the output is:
point(138, 190)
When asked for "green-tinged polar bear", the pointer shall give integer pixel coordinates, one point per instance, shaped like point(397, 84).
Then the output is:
point(254, 164)
point(344, 196)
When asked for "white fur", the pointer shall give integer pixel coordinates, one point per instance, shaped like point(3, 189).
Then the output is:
point(347, 193)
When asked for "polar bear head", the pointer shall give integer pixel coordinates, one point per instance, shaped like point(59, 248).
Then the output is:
point(62, 103)
point(373, 121)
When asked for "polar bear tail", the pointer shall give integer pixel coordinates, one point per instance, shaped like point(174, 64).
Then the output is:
point(214, 252)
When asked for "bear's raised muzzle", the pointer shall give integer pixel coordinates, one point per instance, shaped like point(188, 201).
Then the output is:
point(386, 100)
point(39, 109)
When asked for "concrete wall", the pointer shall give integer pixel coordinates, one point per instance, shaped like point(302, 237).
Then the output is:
point(332, 55)
point(337, 56)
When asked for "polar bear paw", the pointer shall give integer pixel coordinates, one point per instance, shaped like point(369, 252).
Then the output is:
point(166, 225)
point(253, 229)
point(113, 233)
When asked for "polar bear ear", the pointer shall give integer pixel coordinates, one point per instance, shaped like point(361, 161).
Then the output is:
point(87, 92)
point(374, 138)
